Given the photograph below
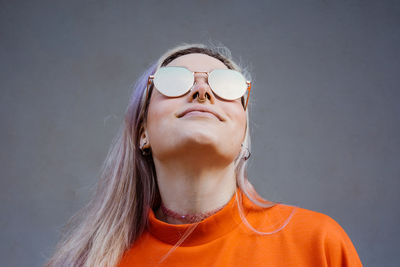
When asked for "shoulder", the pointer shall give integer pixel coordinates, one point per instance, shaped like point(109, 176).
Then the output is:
point(323, 233)
point(315, 239)
point(293, 219)
point(319, 225)
point(315, 221)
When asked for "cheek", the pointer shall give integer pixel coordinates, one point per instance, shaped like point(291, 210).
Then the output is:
point(237, 133)
point(160, 117)
point(237, 129)
point(155, 122)
point(155, 109)
point(242, 121)
point(239, 117)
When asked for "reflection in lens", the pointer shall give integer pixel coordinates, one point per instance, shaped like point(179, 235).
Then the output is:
point(227, 84)
point(173, 81)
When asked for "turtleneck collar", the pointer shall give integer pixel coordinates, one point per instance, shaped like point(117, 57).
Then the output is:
point(211, 228)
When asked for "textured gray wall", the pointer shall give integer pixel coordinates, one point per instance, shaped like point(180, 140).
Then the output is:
point(325, 106)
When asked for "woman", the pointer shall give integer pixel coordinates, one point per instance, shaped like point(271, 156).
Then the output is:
point(174, 190)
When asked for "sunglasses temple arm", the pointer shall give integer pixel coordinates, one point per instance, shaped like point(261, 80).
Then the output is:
point(151, 77)
point(248, 94)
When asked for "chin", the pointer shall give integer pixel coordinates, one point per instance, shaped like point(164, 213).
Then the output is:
point(201, 136)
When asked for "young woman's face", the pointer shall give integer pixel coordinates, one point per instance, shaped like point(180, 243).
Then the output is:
point(198, 123)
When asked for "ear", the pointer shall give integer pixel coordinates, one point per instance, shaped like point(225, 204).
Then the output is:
point(144, 142)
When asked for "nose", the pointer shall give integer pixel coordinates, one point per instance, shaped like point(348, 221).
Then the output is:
point(201, 90)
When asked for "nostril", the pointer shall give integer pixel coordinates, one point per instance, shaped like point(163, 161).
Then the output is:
point(202, 97)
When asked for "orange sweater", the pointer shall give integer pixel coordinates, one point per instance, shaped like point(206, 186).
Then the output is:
point(301, 238)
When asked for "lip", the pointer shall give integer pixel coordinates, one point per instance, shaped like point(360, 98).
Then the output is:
point(198, 108)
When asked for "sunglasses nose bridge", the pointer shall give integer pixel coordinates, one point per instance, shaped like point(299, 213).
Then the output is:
point(200, 78)
point(200, 75)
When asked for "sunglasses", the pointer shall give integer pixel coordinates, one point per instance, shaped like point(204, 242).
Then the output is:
point(176, 81)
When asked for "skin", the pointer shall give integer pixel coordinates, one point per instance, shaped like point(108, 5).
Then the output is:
point(194, 154)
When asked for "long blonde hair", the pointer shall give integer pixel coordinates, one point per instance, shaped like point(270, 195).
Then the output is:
point(117, 214)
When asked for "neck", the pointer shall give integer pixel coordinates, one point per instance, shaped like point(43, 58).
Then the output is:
point(193, 190)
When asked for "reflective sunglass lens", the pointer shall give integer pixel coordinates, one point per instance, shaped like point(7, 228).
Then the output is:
point(173, 81)
point(227, 84)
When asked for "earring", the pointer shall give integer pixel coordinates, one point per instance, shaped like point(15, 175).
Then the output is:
point(145, 149)
point(247, 154)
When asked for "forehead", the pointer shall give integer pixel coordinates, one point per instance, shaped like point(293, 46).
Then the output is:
point(198, 62)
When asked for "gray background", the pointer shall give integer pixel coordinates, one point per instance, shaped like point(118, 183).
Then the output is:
point(325, 106)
